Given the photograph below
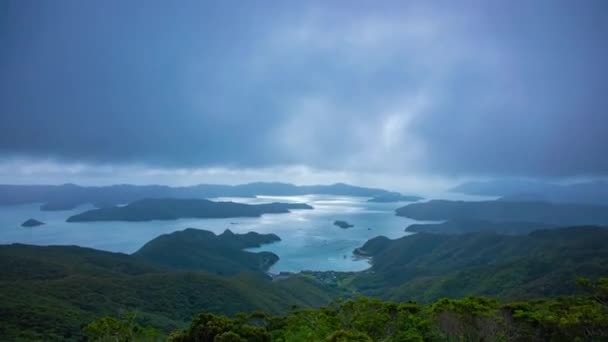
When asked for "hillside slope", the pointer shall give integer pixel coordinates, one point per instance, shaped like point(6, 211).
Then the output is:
point(426, 267)
point(201, 250)
point(50, 293)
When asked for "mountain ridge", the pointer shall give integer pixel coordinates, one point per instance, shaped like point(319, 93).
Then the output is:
point(69, 196)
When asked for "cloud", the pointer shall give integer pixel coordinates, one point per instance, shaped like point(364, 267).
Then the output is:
point(24, 171)
point(478, 88)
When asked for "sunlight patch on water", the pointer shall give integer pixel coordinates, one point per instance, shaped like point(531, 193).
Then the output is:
point(310, 240)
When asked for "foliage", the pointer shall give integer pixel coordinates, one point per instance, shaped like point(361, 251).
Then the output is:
point(425, 267)
point(51, 293)
point(202, 250)
point(120, 330)
point(469, 319)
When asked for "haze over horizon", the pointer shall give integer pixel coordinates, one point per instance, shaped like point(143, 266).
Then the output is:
point(408, 96)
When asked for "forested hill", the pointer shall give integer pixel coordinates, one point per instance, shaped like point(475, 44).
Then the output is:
point(582, 318)
point(50, 293)
point(425, 267)
point(201, 250)
point(574, 318)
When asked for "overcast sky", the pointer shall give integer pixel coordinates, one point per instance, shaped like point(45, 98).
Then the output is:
point(371, 92)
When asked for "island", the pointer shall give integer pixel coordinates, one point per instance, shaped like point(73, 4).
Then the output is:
point(32, 223)
point(173, 209)
point(394, 197)
point(69, 196)
point(201, 250)
point(343, 224)
point(473, 226)
point(562, 214)
point(588, 192)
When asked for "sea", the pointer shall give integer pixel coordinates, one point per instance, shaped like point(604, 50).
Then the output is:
point(309, 238)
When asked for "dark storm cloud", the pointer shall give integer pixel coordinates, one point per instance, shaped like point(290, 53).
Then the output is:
point(469, 88)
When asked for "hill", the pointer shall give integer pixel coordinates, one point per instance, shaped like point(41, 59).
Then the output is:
point(50, 293)
point(562, 214)
point(468, 319)
point(173, 209)
point(425, 267)
point(69, 196)
point(201, 250)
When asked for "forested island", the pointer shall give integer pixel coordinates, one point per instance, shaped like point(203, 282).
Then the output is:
point(173, 209)
point(201, 250)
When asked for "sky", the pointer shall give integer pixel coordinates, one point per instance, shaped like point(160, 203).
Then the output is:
point(407, 94)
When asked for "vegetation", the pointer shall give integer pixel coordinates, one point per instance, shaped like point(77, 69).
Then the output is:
point(60, 292)
point(425, 267)
point(121, 329)
point(201, 250)
point(51, 293)
point(473, 226)
point(173, 209)
point(580, 318)
point(562, 214)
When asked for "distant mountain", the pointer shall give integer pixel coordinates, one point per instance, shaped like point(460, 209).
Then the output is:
point(201, 250)
point(31, 223)
point(425, 267)
point(173, 209)
point(563, 214)
point(473, 226)
point(525, 197)
point(394, 197)
point(517, 190)
point(68, 196)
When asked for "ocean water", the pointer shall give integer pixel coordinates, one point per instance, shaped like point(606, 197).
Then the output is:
point(310, 241)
